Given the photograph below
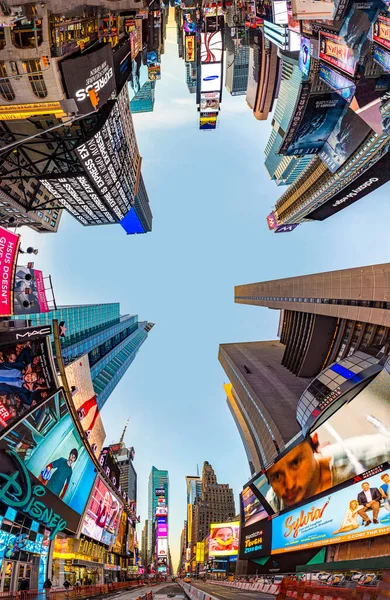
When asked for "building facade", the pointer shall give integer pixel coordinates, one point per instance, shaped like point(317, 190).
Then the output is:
point(237, 60)
point(110, 339)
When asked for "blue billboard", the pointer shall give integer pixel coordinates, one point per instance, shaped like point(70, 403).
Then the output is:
point(359, 511)
point(304, 57)
point(382, 57)
point(131, 223)
point(337, 82)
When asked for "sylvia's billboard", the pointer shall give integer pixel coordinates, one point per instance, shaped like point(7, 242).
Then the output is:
point(9, 243)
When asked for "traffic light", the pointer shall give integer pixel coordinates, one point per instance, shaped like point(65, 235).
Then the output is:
point(45, 62)
point(94, 98)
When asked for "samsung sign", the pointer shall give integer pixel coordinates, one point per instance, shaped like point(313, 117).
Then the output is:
point(373, 178)
point(93, 70)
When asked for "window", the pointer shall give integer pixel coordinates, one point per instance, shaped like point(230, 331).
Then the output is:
point(36, 78)
point(5, 86)
point(39, 214)
point(53, 223)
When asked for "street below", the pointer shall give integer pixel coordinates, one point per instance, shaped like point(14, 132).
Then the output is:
point(225, 593)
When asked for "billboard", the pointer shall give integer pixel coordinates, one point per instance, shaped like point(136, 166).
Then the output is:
point(103, 514)
point(348, 134)
point(271, 221)
point(78, 375)
point(110, 467)
point(337, 82)
point(9, 245)
point(27, 375)
point(312, 9)
point(189, 523)
point(286, 228)
point(223, 539)
point(199, 556)
point(255, 540)
point(160, 491)
point(50, 448)
point(358, 511)
point(382, 57)
point(334, 51)
point(209, 102)
point(371, 179)
point(251, 508)
point(162, 547)
point(381, 31)
point(208, 120)
point(161, 511)
point(139, 75)
point(352, 441)
point(211, 77)
point(357, 23)
point(320, 117)
point(211, 47)
point(190, 48)
point(122, 65)
point(304, 57)
point(162, 530)
point(154, 67)
point(91, 70)
point(29, 292)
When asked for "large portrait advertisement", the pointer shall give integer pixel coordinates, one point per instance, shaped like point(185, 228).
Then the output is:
point(27, 374)
point(224, 539)
point(359, 511)
point(103, 515)
point(50, 448)
point(352, 441)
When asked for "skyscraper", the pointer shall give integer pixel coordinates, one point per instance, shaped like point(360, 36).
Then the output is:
point(144, 543)
point(237, 60)
point(216, 503)
point(263, 76)
point(157, 479)
point(110, 339)
point(194, 491)
point(324, 319)
point(128, 477)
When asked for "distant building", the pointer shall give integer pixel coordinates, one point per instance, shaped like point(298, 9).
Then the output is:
point(237, 60)
point(143, 101)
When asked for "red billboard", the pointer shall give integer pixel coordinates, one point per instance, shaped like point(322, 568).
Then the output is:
point(381, 31)
point(29, 292)
point(335, 51)
point(9, 244)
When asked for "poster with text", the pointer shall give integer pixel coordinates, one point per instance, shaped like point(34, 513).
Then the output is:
point(9, 245)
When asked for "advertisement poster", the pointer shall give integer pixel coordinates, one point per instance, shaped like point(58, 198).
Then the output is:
point(209, 102)
point(304, 57)
point(51, 449)
point(9, 245)
point(29, 292)
point(374, 177)
point(211, 75)
point(255, 540)
point(334, 51)
point(321, 115)
point(382, 57)
point(251, 507)
point(312, 9)
point(359, 511)
point(357, 22)
point(162, 547)
point(211, 47)
point(161, 511)
point(27, 377)
point(110, 467)
point(190, 48)
point(139, 75)
point(162, 530)
point(208, 120)
point(352, 441)
point(92, 70)
point(103, 514)
point(337, 82)
point(272, 221)
point(154, 67)
point(346, 137)
point(381, 31)
point(224, 539)
point(78, 375)
point(122, 65)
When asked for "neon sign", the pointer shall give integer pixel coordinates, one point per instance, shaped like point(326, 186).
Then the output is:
point(17, 492)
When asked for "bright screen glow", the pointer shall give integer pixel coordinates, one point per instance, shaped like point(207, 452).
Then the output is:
point(224, 539)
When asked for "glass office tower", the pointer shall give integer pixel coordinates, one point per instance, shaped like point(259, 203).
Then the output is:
point(110, 339)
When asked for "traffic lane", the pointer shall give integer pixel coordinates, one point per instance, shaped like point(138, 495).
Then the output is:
point(161, 591)
point(230, 593)
point(169, 588)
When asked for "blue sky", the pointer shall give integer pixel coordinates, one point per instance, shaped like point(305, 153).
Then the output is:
point(210, 195)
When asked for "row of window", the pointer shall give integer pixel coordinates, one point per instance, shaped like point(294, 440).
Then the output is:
point(338, 301)
point(35, 77)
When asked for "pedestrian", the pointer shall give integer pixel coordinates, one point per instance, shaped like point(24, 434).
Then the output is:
point(66, 586)
point(47, 586)
point(78, 586)
point(24, 587)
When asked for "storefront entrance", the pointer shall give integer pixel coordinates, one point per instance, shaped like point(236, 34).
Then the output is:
point(13, 572)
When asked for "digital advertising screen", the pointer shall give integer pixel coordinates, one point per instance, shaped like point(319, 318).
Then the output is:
point(255, 540)
point(211, 77)
point(161, 511)
point(160, 491)
point(321, 116)
point(382, 57)
point(334, 51)
point(251, 507)
point(162, 547)
point(190, 48)
point(348, 134)
point(359, 511)
point(48, 444)
point(27, 375)
point(29, 292)
point(9, 245)
point(223, 539)
point(208, 120)
point(154, 66)
point(209, 102)
point(79, 379)
point(103, 514)
point(162, 530)
point(381, 31)
point(337, 82)
point(211, 47)
point(122, 64)
point(352, 441)
point(304, 57)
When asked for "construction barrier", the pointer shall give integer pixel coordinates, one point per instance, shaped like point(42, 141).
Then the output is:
point(195, 593)
point(79, 592)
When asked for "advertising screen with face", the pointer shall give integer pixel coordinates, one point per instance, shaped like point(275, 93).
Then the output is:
point(103, 514)
point(224, 539)
point(51, 448)
point(252, 509)
point(27, 377)
point(353, 440)
point(359, 511)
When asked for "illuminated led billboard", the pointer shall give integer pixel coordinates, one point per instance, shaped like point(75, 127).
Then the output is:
point(224, 538)
point(162, 547)
point(211, 47)
point(334, 51)
point(251, 508)
point(211, 77)
point(9, 244)
point(103, 514)
point(161, 511)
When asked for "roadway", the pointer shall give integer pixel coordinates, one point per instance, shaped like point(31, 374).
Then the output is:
point(162, 591)
point(228, 593)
